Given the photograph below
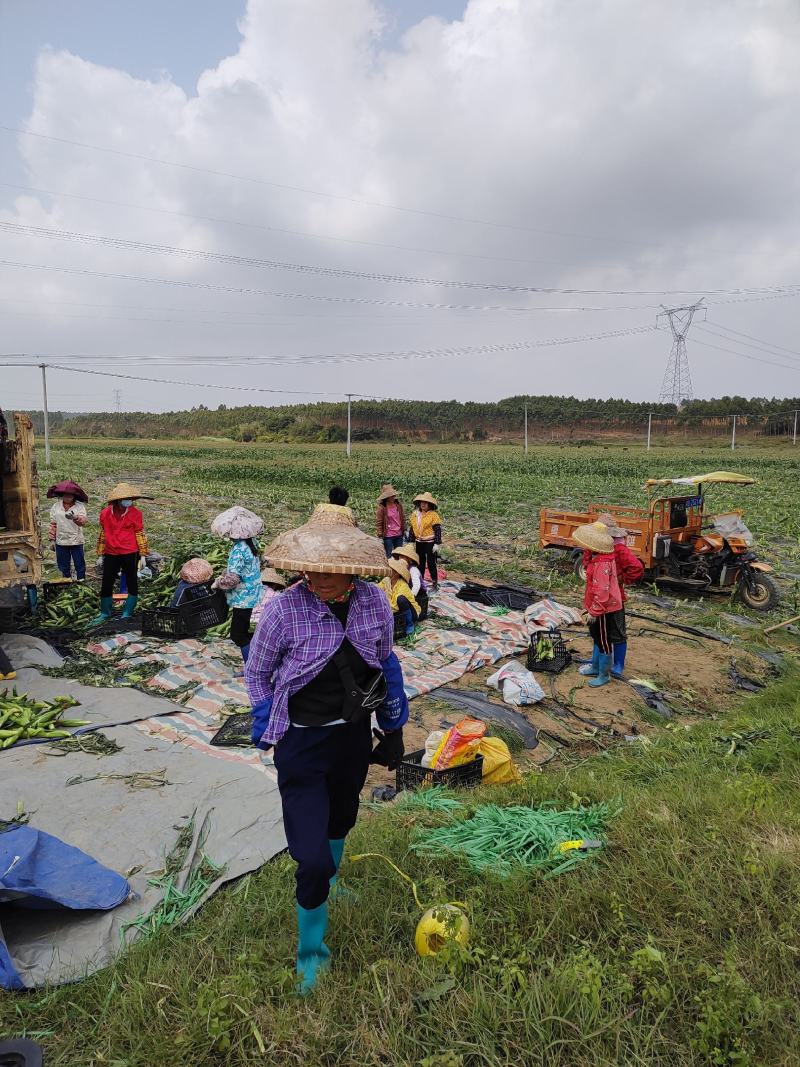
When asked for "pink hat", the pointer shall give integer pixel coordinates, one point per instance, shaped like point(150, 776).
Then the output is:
point(196, 571)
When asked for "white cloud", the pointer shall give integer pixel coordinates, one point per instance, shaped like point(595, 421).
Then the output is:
point(625, 144)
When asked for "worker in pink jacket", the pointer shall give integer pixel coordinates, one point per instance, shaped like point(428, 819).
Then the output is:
point(602, 600)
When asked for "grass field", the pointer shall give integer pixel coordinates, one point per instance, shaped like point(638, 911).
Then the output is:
point(677, 945)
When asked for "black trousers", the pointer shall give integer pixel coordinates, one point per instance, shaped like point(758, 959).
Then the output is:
point(128, 565)
point(427, 558)
point(608, 630)
point(321, 772)
point(240, 626)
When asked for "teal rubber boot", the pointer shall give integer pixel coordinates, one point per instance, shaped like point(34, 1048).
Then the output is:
point(130, 606)
point(338, 892)
point(590, 670)
point(603, 670)
point(106, 603)
point(313, 955)
point(619, 659)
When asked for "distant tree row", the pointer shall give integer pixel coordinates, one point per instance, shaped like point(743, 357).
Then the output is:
point(424, 420)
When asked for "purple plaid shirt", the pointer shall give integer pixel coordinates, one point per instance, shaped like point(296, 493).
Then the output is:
point(297, 635)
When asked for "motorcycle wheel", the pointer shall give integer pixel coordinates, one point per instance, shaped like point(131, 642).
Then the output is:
point(761, 594)
point(578, 567)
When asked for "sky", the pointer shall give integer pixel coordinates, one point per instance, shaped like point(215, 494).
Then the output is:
point(263, 201)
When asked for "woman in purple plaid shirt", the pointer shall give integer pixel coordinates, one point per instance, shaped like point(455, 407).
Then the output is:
point(320, 664)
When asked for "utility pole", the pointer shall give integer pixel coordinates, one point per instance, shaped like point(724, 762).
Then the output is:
point(733, 434)
point(676, 387)
point(46, 416)
point(118, 400)
point(794, 432)
point(349, 399)
point(526, 429)
point(649, 428)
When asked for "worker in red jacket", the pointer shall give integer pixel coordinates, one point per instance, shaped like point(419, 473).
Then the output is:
point(602, 600)
point(630, 569)
point(121, 544)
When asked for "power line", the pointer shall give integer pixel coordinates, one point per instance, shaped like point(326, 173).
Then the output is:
point(316, 192)
point(768, 344)
point(342, 272)
point(329, 359)
point(284, 229)
point(743, 355)
point(246, 291)
point(756, 345)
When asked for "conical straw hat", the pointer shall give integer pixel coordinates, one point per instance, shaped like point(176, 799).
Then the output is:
point(407, 552)
point(328, 543)
point(271, 577)
point(594, 536)
point(399, 566)
point(427, 498)
point(126, 491)
point(387, 492)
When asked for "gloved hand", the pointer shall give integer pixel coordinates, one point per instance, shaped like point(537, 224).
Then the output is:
point(437, 549)
point(389, 750)
point(261, 714)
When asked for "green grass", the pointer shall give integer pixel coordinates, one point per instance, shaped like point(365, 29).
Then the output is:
point(677, 945)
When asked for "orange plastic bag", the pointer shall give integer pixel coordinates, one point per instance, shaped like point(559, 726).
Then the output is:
point(459, 745)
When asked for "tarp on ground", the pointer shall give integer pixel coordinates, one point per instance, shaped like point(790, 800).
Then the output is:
point(127, 811)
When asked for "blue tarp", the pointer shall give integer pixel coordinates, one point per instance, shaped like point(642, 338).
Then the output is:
point(39, 871)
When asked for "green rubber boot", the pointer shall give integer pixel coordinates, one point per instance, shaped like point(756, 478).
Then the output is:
point(106, 603)
point(313, 955)
point(130, 606)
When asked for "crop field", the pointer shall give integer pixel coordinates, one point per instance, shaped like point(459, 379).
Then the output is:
point(675, 946)
point(489, 496)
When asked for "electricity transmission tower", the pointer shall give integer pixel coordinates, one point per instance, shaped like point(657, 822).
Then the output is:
point(118, 400)
point(676, 387)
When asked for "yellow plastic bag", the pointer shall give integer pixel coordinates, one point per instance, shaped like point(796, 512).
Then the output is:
point(498, 767)
point(459, 745)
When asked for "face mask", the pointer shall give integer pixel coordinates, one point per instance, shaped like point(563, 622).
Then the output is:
point(125, 503)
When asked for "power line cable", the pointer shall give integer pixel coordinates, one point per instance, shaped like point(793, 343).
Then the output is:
point(767, 344)
point(753, 345)
point(125, 244)
point(318, 192)
point(329, 359)
point(285, 230)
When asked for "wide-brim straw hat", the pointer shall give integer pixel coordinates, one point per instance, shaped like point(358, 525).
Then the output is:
point(271, 577)
point(126, 491)
point(60, 488)
point(609, 521)
point(238, 523)
point(387, 492)
point(197, 571)
point(426, 498)
point(407, 552)
point(328, 543)
point(399, 566)
point(594, 536)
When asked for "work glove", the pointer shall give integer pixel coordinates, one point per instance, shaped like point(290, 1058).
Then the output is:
point(437, 549)
point(389, 750)
point(261, 714)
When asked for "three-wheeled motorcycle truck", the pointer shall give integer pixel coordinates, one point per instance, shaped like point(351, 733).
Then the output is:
point(681, 548)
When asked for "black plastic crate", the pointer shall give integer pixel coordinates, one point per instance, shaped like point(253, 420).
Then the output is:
point(560, 659)
point(235, 732)
point(207, 611)
point(163, 622)
point(191, 618)
point(412, 775)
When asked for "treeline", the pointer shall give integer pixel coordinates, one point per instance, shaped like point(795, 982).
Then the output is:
point(418, 420)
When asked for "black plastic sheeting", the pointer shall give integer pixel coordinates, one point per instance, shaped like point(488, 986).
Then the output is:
point(514, 597)
point(482, 707)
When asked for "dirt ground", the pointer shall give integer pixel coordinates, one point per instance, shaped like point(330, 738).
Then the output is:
point(692, 673)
